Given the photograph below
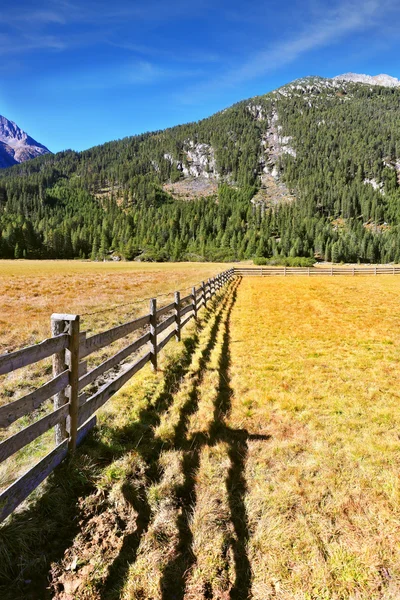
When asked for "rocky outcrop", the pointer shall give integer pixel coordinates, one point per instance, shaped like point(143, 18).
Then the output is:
point(274, 145)
point(378, 186)
point(199, 161)
point(16, 146)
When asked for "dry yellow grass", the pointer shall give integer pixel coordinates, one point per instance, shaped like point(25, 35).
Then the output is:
point(291, 437)
point(30, 291)
point(315, 366)
point(261, 462)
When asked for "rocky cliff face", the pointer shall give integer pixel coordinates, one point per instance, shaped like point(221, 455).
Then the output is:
point(16, 146)
point(199, 160)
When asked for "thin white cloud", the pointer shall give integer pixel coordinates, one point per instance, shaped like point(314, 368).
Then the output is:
point(102, 21)
point(29, 43)
point(346, 19)
point(191, 56)
point(320, 30)
point(36, 17)
point(41, 17)
point(133, 74)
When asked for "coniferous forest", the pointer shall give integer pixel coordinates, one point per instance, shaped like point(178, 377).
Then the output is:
point(342, 173)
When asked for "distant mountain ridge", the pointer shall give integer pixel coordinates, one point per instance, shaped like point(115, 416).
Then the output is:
point(16, 146)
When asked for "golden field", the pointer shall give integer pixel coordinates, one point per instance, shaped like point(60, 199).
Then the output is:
point(30, 291)
point(262, 461)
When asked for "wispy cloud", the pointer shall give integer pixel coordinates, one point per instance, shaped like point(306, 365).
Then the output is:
point(321, 30)
point(189, 56)
point(345, 19)
point(53, 24)
point(37, 16)
point(29, 43)
point(131, 74)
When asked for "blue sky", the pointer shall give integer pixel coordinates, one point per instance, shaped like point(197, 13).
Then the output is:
point(82, 72)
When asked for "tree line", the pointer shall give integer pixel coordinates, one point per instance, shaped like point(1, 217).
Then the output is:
point(110, 200)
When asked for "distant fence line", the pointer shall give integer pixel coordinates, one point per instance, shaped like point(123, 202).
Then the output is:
point(316, 271)
point(72, 416)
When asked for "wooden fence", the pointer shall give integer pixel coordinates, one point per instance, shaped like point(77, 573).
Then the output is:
point(316, 271)
point(73, 412)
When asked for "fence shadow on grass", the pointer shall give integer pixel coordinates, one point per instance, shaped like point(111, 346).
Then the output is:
point(127, 555)
point(174, 576)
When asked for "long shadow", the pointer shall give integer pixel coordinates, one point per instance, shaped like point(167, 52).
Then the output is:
point(152, 448)
point(37, 537)
point(236, 481)
point(174, 576)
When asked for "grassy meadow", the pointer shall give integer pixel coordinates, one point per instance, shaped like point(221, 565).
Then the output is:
point(261, 461)
point(30, 291)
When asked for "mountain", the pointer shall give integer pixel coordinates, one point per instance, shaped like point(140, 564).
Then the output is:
point(16, 146)
point(310, 170)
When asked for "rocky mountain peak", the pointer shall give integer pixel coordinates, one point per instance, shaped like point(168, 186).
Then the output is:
point(384, 80)
point(16, 146)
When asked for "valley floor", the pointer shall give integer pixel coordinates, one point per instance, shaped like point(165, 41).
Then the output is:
point(261, 462)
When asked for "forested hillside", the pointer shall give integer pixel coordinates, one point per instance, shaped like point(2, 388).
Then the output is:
point(333, 145)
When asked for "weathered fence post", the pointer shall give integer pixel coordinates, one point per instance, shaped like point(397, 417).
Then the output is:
point(153, 333)
point(67, 324)
point(194, 303)
point(375, 270)
point(203, 293)
point(73, 350)
point(178, 316)
point(59, 366)
point(284, 271)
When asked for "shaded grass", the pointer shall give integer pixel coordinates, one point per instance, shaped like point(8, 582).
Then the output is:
point(193, 565)
point(32, 540)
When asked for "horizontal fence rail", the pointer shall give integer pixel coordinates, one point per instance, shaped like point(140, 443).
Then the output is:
point(316, 271)
point(74, 402)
